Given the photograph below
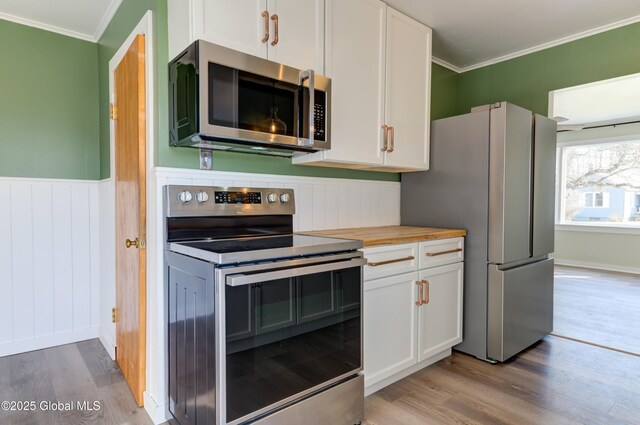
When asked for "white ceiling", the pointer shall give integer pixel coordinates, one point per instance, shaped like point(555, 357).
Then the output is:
point(603, 102)
point(467, 33)
point(84, 19)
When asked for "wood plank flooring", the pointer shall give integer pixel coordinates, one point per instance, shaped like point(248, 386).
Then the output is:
point(69, 373)
point(555, 382)
point(599, 307)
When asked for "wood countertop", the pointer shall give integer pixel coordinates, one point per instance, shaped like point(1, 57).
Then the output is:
point(387, 235)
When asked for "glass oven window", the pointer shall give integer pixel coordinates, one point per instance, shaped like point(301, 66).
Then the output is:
point(288, 335)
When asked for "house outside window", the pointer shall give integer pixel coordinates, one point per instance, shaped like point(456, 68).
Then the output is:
point(599, 182)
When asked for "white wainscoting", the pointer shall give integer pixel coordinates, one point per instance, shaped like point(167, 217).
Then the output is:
point(321, 203)
point(49, 263)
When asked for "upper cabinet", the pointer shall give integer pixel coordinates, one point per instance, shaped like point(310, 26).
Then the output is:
point(285, 31)
point(379, 61)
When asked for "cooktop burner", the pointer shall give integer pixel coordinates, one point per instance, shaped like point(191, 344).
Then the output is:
point(261, 248)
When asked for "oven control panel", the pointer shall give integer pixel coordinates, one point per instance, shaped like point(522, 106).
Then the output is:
point(191, 201)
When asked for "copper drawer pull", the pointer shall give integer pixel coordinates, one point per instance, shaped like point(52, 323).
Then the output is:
point(265, 15)
point(276, 37)
point(393, 139)
point(435, 254)
point(425, 300)
point(385, 138)
point(397, 260)
point(420, 292)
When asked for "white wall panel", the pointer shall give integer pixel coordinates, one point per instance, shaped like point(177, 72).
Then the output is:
point(6, 268)
point(22, 256)
point(43, 260)
point(48, 263)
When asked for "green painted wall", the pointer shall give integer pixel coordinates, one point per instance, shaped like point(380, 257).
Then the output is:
point(48, 108)
point(444, 92)
point(527, 80)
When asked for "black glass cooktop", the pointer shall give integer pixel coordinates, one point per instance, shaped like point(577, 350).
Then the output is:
point(223, 251)
point(243, 245)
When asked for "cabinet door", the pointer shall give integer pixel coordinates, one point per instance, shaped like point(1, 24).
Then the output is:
point(440, 320)
point(408, 91)
point(355, 46)
point(300, 33)
point(390, 314)
point(237, 25)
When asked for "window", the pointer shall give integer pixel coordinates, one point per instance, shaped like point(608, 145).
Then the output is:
point(596, 200)
point(599, 182)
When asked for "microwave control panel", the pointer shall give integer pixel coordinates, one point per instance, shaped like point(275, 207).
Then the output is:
point(319, 121)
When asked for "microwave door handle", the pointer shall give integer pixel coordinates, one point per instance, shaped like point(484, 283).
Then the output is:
point(247, 279)
point(309, 74)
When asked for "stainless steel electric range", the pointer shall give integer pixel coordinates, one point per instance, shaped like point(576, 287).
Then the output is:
point(264, 326)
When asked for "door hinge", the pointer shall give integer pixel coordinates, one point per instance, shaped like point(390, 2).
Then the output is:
point(113, 315)
point(113, 111)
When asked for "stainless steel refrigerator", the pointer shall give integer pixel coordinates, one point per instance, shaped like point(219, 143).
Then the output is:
point(493, 173)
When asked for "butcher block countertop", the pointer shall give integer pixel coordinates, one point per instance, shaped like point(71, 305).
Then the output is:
point(387, 235)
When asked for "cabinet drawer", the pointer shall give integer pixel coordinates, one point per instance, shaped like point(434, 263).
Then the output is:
point(390, 260)
point(440, 252)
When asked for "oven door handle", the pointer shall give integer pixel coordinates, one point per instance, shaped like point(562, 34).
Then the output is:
point(247, 279)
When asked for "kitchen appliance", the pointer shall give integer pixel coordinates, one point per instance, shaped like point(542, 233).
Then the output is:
point(493, 173)
point(264, 326)
point(223, 99)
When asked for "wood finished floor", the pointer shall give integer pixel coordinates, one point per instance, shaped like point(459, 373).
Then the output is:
point(599, 307)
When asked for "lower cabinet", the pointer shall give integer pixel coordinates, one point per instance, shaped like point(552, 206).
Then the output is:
point(390, 326)
point(440, 319)
point(411, 319)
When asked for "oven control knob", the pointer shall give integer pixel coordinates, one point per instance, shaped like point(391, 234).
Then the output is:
point(185, 197)
point(285, 197)
point(202, 197)
point(271, 198)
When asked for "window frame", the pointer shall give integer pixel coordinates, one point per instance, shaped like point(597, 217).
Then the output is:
point(616, 133)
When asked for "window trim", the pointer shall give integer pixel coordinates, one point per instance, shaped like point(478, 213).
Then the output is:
point(594, 136)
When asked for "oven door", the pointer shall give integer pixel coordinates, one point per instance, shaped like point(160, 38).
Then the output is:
point(288, 332)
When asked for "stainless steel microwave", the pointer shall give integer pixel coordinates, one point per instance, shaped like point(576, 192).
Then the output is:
point(227, 100)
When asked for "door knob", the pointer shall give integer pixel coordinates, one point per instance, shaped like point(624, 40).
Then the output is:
point(129, 243)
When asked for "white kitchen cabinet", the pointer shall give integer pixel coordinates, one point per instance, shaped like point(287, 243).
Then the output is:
point(390, 326)
point(411, 318)
point(440, 319)
point(244, 25)
point(379, 61)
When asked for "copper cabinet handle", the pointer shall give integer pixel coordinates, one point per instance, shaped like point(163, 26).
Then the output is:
point(420, 292)
point(397, 260)
point(385, 137)
point(274, 18)
point(265, 15)
point(425, 300)
point(393, 137)
point(450, 251)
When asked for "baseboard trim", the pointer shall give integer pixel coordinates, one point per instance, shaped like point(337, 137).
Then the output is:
point(108, 345)
point(159, 414)
point(17, 347)
point(597, 266)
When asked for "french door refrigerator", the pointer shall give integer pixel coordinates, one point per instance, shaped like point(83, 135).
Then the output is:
point(493, 173)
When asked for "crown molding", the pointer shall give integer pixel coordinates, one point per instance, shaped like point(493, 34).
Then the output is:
point(94, 38)
point(446, 64)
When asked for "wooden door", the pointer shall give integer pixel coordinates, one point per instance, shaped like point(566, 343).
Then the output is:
point(408, 86)
point(130, 181)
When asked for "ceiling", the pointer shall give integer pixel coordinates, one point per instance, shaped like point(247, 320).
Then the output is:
point(84, 19)
point(602, 102)
point(467, 33)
